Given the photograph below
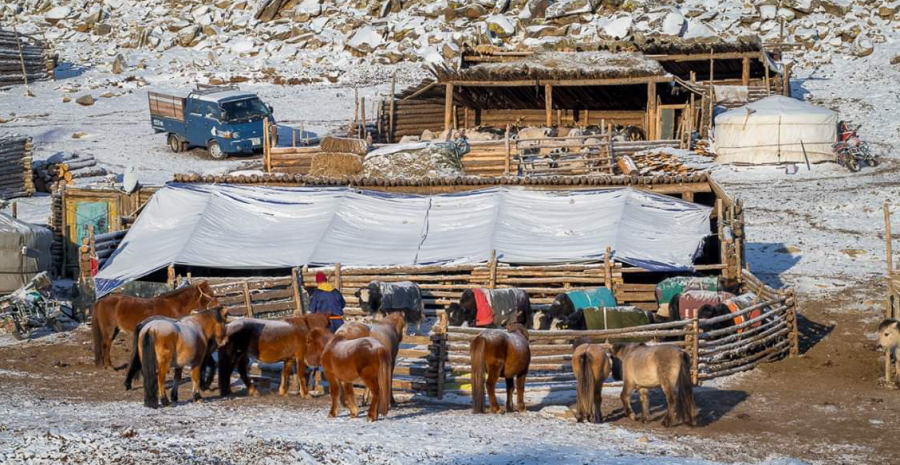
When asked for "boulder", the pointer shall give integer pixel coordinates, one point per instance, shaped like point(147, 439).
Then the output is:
point(118, 66)
point(767, 12)
point(57, 14)
point(501, 26)
point(895, 60)
point(187, 35)
point(618, 28)
point(673, 24)
point(365, 40)
point(862, 46)
point(85, 100)
point(102, 29)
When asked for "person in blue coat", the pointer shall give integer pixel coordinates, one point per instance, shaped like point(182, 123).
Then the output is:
point(328, 301)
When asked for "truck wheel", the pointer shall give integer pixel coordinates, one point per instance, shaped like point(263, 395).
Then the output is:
point(215, 151)
point(175, 143)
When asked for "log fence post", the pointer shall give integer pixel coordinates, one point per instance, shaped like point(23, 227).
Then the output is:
point(794, 324)
point(247, 306)
point(267, 156)
point(889, 305)
point(337, 277)
point(607, 269)
point(170, 277)
point(492, 283)
point(695, 350)
point(295, 288)
point(448, 107)
point(508, 153)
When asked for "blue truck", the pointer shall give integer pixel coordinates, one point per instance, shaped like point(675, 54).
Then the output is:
point(223, 119)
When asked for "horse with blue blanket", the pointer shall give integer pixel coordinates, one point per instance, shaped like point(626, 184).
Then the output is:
point(567, 304)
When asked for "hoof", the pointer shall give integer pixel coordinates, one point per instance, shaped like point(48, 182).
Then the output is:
point(332, 414)
point(368, 418)
point(251, 391)
point(632, 416)
point(196, 397)
point(165, 402)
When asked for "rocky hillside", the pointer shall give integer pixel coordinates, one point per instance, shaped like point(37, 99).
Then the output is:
point(298, 41)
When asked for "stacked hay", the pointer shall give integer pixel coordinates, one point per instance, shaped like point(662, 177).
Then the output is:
point(15, 167)
point(344, 145)
point(335, 164)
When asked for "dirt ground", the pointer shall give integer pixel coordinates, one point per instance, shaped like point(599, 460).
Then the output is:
point(825, 406)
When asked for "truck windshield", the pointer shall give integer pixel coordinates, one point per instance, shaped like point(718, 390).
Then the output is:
point(245, 110)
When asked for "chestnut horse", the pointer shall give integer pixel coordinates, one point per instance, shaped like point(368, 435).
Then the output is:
point(500, 352)
point(346, 361)
point(164, 343)
point(122, 312)
point(389, 332)
point(268, 341)
point(592, 364)
point(666, 366)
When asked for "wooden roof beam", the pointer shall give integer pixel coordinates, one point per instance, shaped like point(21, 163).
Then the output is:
point(563, 82)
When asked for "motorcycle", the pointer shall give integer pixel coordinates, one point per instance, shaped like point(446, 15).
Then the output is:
point(31, 307)
point(851, 151)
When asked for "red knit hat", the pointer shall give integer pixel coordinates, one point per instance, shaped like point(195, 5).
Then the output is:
point(320, 277)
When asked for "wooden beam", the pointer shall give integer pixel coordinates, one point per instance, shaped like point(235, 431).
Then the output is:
point(548, 103)
point(703, 56)
point(563, 82)
point(390, 137)
point(786, 79)
point(448, 106)
point(651, 111)
point(745, 71)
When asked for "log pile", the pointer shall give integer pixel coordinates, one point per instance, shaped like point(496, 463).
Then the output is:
point(654, 163)
point(15, 167)
point(55, 222)
point(23, 59)
point(65, 167)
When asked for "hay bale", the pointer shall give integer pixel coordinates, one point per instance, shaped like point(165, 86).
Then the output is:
point(335, 165)
point(344, 145)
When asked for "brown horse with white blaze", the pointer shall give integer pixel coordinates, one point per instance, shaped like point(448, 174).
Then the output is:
point(121, 312)
point(504, 353)
point(268, 341)
point(388, 331)
point(164, 343)
point(346, 361)
point(666, 366)
point(592, 364)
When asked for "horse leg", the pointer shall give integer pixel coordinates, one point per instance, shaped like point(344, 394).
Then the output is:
point(370, 379)
point(165, 361)
point(243, 362)
point(598, 398)
point(645, 404)
point(492, 378)
point(302, 385)
point(669, 419)
point(627, 390)
point(520, 391)
point(510, 388)
point(285, 377)
point(196, 369)
point(176, 375)
point(335, 389)
point(108, 349)
point(350, 399)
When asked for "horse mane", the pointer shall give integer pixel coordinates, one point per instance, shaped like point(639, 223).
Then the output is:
point(217, 312)
point(888, 323)
point(182, 290)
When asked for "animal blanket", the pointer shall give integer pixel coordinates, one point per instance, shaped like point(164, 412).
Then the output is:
point(502, 303)
point(598, 298)
point(741, 302)
point(615, 317)
point(691, 301)
point(669, 287)
point(404, 295)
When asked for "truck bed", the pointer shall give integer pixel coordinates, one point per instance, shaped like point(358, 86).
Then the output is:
point(166, 106)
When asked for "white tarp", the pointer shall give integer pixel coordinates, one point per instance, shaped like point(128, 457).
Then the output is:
point(253, 227)
point(771, 131)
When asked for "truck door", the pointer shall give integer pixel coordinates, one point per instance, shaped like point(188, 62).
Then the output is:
point(204, 119)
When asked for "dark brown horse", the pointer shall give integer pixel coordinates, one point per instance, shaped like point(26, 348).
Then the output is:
point(121, 312)
point(346, 361)
point(500, 353)
point(389, 332)
point(592, 364)
point(162, 343)
point(665, 366)
point(268, 341)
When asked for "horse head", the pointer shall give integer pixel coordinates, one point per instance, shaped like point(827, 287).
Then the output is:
point(369, 297)
point(889, 334)
point(214, 324)
point(561, 308)
point(316, 341)
point(730, 285)
point(708, 311)
point(206, 299)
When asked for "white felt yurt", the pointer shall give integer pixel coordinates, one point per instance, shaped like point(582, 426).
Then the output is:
point(776, 129)
point(24, 252)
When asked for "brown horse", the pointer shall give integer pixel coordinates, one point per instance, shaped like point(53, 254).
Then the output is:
point(389, 332)
point(664, 366)
point(500, 352)
point(346, 361)
point(268, 341)
point(592, 364)
point(162, 343)
point(121, 312)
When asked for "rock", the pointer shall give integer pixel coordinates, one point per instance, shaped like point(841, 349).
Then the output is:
point(242, 46)
point(66, 99)
point(57, 14)
point(767, 12)
point(85, 100)
point(102, 29)
point(698, 30)
point(500, 26)
point(311, 8)
point(472, 11)
point(862, 47)
point(786, 13)
point(803, 6)
point(673, 24)
point(895, 60)
point(838, 8)
point(187, 35)
point(118, 66)
point(888, 11)
point(618, 28)
point(534, 9)
point(79, 135)
point(365, 40)
point(268, 9)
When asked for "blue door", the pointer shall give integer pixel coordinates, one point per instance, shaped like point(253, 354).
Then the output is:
point(204, 119)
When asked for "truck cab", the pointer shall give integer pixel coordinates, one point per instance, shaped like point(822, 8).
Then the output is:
point(224, 120)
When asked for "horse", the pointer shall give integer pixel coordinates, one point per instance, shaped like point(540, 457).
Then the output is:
point(268, 341)
point(384, 298)
point(591, 364)
point(162, 344)
point(668, 288)
point(607, 318)
point(491, 308)
point(666, 366)
point(388, 331)
point(889, 341)
point(121, 312)
point(208, 372)
point(629, 133)
point(346, 361)
point(567, 304)
point(504, 353)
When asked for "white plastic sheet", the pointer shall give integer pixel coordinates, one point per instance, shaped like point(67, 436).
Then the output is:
point(254, 227)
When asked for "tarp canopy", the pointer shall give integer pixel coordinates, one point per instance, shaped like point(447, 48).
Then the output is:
point(24, 252)
point(776, 129)
point(254, 227)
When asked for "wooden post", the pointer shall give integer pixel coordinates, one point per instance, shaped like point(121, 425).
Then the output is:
point(889, 307)
point(441, 353)
point(466, 117)
point(795, 325)
point(64, 227)
point(390, 137)
point(337, 277)
point(712, 90)
point(548, 103)
point(295, 288)
point(508, 152)
point(720, 220)
point(247, 306)
point(745, 71)
point(170, 278)
point(267, 157)
point(354, 125)
point(493, 279)
point(448, 107)
point(786, 80)
point(559, 117)
point(651, 111)
point(293, 137)
point(364, 131)
point(15, 209)
point(765, 61)
point(607, 269)
point(695, 350)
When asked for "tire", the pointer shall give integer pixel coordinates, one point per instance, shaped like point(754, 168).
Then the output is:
point(17, 330)
point(56, 325)
point(852, 164)
point(175, 144)
point(215, 150)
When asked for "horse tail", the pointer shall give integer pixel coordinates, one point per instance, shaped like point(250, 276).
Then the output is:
point(476, 352)
point(98, 335)
point(684, 397)
point(384, 381)
point(584, 381)
point(150, 369)
point(134, 365)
